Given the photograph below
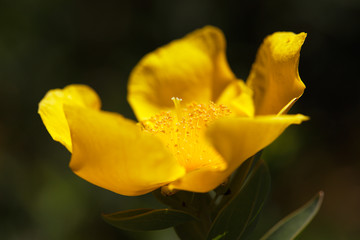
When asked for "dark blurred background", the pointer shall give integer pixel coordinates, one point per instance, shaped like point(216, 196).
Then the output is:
point(50, 44)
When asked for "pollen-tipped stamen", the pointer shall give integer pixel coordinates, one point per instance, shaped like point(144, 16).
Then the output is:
point(176, 102)
point(183, 133)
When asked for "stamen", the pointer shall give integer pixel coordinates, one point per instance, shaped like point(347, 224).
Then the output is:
point(183, 130)
point(285, 109)
point(177, 101)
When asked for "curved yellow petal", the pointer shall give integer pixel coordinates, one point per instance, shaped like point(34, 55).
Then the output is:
point(52, 113)
point(113, 153)
point(193, 68)
point(239, 98)
point(274, 76)
point(236, 139)
point(201, 180)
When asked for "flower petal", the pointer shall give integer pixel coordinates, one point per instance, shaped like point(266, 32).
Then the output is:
point(193, 68)
point(236, 139)
point(52, 113)
point(239, 98)
point(201, 180)
point(274, 76)
point(113, 153)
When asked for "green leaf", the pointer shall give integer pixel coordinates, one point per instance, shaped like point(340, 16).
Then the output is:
point(290, 226)
point(147, 219)
point(242, 210)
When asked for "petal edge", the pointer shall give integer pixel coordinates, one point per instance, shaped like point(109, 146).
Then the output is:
point(52, 113)
point(193, 68)
point(274, 76)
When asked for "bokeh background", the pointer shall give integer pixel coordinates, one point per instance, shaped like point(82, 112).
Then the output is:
point(50, 44)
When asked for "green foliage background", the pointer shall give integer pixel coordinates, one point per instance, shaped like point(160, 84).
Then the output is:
point(49, 44)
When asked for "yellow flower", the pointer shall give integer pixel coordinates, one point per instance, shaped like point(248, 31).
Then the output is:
point(197, 121)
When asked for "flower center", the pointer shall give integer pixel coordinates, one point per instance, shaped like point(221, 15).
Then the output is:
point(183, 130)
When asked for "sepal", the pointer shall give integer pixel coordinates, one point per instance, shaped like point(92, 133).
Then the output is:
point(197, 204)
point(231, 188)
point(240, 212)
